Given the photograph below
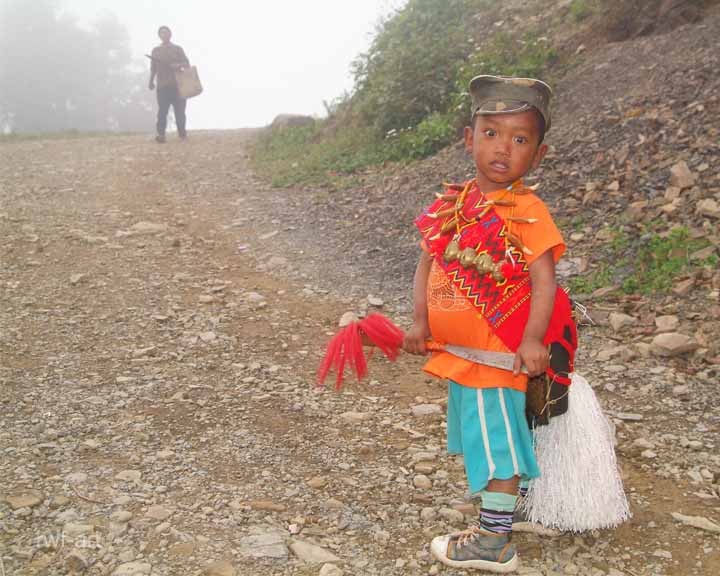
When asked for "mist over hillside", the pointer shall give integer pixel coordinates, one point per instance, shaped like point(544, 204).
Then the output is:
point(56, 75)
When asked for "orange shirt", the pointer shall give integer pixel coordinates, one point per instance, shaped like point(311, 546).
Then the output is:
point(453, 320)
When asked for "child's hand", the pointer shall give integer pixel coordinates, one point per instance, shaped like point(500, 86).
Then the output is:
point(534, 355)
point(414, 342)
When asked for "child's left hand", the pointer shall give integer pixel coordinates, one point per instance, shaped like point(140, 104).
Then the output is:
point(534, 355)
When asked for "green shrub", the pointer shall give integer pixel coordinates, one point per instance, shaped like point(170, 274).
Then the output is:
point(649, 265)
point(588, 283)
point(431, 135)
point(661, 259)
point(581, 9)
point(411, 67)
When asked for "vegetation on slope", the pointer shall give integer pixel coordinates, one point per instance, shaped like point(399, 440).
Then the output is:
point(410, 100)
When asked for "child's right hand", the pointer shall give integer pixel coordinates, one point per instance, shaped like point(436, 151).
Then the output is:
point(415, 338)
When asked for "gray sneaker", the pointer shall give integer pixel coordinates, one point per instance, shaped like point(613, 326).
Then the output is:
point(477, 549)
point(521, 523)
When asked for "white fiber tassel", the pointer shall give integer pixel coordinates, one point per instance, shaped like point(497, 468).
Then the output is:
point(580, 486)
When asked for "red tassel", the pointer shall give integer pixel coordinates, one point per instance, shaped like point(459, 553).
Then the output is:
point(345, 348)
point(383, 334)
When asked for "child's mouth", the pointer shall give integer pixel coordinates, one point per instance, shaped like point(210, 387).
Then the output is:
point(500, 166)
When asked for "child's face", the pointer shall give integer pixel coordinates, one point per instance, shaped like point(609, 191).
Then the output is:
point(504, 147)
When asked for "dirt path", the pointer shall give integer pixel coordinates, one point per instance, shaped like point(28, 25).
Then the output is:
point(159, 343)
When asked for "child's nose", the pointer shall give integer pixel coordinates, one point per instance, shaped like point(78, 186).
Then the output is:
point(503, 146)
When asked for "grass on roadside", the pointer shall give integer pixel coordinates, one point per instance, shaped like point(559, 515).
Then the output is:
point(648, 266)
point(317, 155)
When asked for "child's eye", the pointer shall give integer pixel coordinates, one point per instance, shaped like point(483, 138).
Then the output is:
point(520, 139)
point(490, 132)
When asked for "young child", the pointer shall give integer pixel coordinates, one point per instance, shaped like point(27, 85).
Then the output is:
point(486, 280)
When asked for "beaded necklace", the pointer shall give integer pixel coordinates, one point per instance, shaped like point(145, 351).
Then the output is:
point(456, 222)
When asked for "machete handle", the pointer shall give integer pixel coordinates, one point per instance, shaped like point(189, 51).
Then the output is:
point(432, 346)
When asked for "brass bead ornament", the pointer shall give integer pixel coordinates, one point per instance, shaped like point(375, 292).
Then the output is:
point(467, 257)
point(452, 251)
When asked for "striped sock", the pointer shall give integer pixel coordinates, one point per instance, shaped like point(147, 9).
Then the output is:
point(524, 487)
point(496, 513)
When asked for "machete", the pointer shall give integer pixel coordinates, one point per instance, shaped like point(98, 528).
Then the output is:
point(501, 360)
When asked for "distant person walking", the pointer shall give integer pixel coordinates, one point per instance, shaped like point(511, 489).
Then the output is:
point(167, 59)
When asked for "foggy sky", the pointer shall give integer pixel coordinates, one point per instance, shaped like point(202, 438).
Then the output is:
point(256, 59)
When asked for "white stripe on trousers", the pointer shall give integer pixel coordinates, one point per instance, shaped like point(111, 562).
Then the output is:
point(508, 430)
point(486, 439)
